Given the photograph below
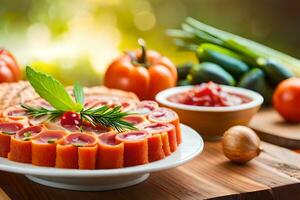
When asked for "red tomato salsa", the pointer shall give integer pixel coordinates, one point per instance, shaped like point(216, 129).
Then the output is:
point(209, 94)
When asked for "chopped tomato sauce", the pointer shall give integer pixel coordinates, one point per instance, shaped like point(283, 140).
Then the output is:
point(209, 94)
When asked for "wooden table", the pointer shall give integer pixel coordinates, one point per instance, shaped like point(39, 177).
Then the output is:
point(274, 174)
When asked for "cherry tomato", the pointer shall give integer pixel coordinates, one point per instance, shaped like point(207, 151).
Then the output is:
point(70, 118)
point(143, 72)
point(9, 69)
point(286, 99)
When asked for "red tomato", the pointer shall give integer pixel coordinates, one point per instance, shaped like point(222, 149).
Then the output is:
point(143, 72)
point(9, 69)
point(286, 99)
point(70, 118)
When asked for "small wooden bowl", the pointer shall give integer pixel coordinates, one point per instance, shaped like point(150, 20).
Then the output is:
point(212, 122)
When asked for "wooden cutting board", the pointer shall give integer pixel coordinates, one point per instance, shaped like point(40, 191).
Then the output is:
point(272, 128)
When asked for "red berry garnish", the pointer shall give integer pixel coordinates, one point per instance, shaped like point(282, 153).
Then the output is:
point(70, 118)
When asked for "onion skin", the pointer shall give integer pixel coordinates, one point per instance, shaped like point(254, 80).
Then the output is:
point(241, 144)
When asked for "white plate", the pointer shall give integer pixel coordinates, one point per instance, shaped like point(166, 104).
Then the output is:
point(99, 180)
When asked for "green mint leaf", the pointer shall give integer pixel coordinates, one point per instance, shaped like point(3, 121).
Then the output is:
point(78, 93)
point(51, 90)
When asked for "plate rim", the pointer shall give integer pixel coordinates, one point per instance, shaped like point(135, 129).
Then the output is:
point(79, 173)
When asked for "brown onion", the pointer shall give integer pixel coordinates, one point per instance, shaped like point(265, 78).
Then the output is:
point(241, 144)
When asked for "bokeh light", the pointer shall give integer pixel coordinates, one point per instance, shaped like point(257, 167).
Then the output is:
point(144, 20)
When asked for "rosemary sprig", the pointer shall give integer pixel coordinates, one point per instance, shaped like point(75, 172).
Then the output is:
point(108, 117)
point(40, 111)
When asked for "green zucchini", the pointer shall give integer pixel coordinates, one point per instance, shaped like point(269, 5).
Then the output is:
point(275, 71)
point(207, 71)
point(227, 59)
point(255, 80)
point(183, 70)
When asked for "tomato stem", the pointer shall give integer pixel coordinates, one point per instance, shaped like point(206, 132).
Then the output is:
point(143, 58)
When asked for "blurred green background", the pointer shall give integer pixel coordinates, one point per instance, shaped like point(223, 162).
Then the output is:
point(76, 40)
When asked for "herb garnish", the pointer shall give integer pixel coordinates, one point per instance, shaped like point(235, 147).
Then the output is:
point(55, 94)
point(52, 91)
point(8, 133)
point(40, 111)
point(78, 93)
point(107, 117)
point(78, 145)
point(51, 141)
point(27, 136)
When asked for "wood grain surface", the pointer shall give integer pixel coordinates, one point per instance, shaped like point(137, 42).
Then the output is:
point(272, 128)
point(273, 175)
